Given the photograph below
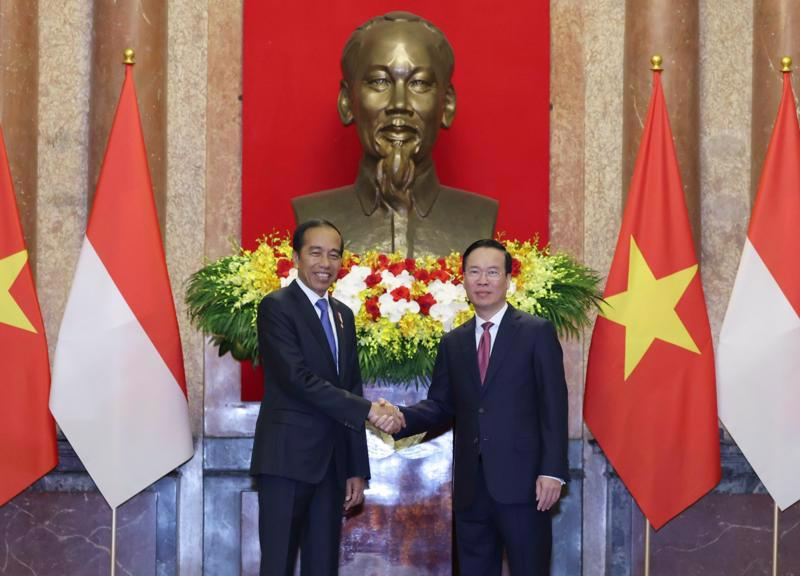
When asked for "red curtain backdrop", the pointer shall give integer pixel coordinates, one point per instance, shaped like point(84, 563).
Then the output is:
point(293, 142)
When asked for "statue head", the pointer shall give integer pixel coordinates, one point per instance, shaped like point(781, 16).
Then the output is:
point(396, 87)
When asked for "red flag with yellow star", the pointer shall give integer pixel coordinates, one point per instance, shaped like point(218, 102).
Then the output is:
point(650, 393)
point(27, 431)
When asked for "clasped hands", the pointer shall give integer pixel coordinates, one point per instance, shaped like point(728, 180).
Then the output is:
point(386, 417)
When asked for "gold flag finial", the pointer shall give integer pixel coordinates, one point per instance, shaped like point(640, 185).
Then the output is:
point(655, 63)
point(129, 56)
point(786, 64)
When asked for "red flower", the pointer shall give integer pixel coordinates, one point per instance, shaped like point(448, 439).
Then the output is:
point(441, 275)
point(516, 266)
point(425, 302)
point(442, 263)
point(397, 268)
point(401, 293)
point(343, 271)
point(373, 279)
point(283, 267)
point(372, 308)
point(411, 264)
point(383, 261)
point(422, 275)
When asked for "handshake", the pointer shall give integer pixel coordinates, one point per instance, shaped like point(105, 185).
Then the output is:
point(386, 417)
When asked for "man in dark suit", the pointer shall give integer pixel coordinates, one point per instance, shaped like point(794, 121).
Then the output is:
point(310, 449)
point(500, 377)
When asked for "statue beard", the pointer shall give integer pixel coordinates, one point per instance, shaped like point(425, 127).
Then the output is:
point(396, 171)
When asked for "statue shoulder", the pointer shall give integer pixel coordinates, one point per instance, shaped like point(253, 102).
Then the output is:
point(324, 203)
point(480, 211)
point(468, 199)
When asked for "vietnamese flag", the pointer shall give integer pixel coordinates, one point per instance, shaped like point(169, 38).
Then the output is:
point(119, 390)
point(27, 432)
point(650, 394)
point(759, 348)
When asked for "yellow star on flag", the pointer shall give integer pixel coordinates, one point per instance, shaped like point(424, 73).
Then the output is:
point(10, 312)
point(647, 309)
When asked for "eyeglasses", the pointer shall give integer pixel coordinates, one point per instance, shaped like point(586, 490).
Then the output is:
point(476, 273)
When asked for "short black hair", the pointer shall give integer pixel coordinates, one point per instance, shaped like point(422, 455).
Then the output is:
point(300, 232)
point(487, 243)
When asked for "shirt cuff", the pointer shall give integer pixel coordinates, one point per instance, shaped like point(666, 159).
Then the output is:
point(553, 477)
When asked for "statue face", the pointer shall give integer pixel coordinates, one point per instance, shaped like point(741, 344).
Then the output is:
point(398, 90)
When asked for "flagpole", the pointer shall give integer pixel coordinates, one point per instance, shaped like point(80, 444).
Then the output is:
point(786, 68)
point(113, 540)
point(775, 540)
point(655, 66)
point(646, 547)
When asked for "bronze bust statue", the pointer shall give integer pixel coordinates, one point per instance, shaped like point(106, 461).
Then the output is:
point(396, 87)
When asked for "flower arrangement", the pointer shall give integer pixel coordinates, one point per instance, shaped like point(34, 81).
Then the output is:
point(402, 306)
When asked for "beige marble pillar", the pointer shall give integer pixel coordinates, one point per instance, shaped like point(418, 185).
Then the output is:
point(669, 28)
point(19, 70)
point(567, 90)
point(776, 33)
point(141, 25)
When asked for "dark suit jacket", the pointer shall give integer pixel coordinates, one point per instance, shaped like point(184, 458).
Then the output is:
point(309, 412)
point(517, 420)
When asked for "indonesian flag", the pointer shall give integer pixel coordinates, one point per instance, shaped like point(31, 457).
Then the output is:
point(759, 348)
point(119, 392)
point(27, 432)
point(650, 399)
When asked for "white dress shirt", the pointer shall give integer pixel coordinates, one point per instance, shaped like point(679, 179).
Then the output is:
point(313, 297)
point(495, 320)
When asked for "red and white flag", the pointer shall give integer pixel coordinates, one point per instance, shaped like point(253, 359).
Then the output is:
point(119, 390)
point(758, 357)
point(27, 432)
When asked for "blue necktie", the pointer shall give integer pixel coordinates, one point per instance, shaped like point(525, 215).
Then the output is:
point(322, 304)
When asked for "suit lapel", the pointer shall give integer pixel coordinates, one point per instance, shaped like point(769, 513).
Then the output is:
point(467, 338)
point(310, 316)
point(338, 323)
point(504, 340)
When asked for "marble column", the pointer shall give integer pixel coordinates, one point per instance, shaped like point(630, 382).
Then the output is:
point(669, 28)
point(141, 25)
point(19, 71)
point(775, 34)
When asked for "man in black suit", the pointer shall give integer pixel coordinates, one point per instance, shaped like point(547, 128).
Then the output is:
point(500, 377)
point(310, 449)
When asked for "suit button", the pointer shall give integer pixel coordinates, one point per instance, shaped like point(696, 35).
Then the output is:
point(481, 411)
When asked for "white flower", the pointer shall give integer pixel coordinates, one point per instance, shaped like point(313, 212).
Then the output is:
point(288, 280)
point(396, 310)
point(447, 292)
point(446, 313)
point(357, 274)
point(348, 289)
point(390, 281)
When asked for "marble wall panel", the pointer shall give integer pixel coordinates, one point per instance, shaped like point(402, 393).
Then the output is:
point(53, 534)
point(567, 92)
point(726, 48)
point(187, 80)
point(726, 535)
point(65, 32)
point(602, 56)
point(225, 413)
